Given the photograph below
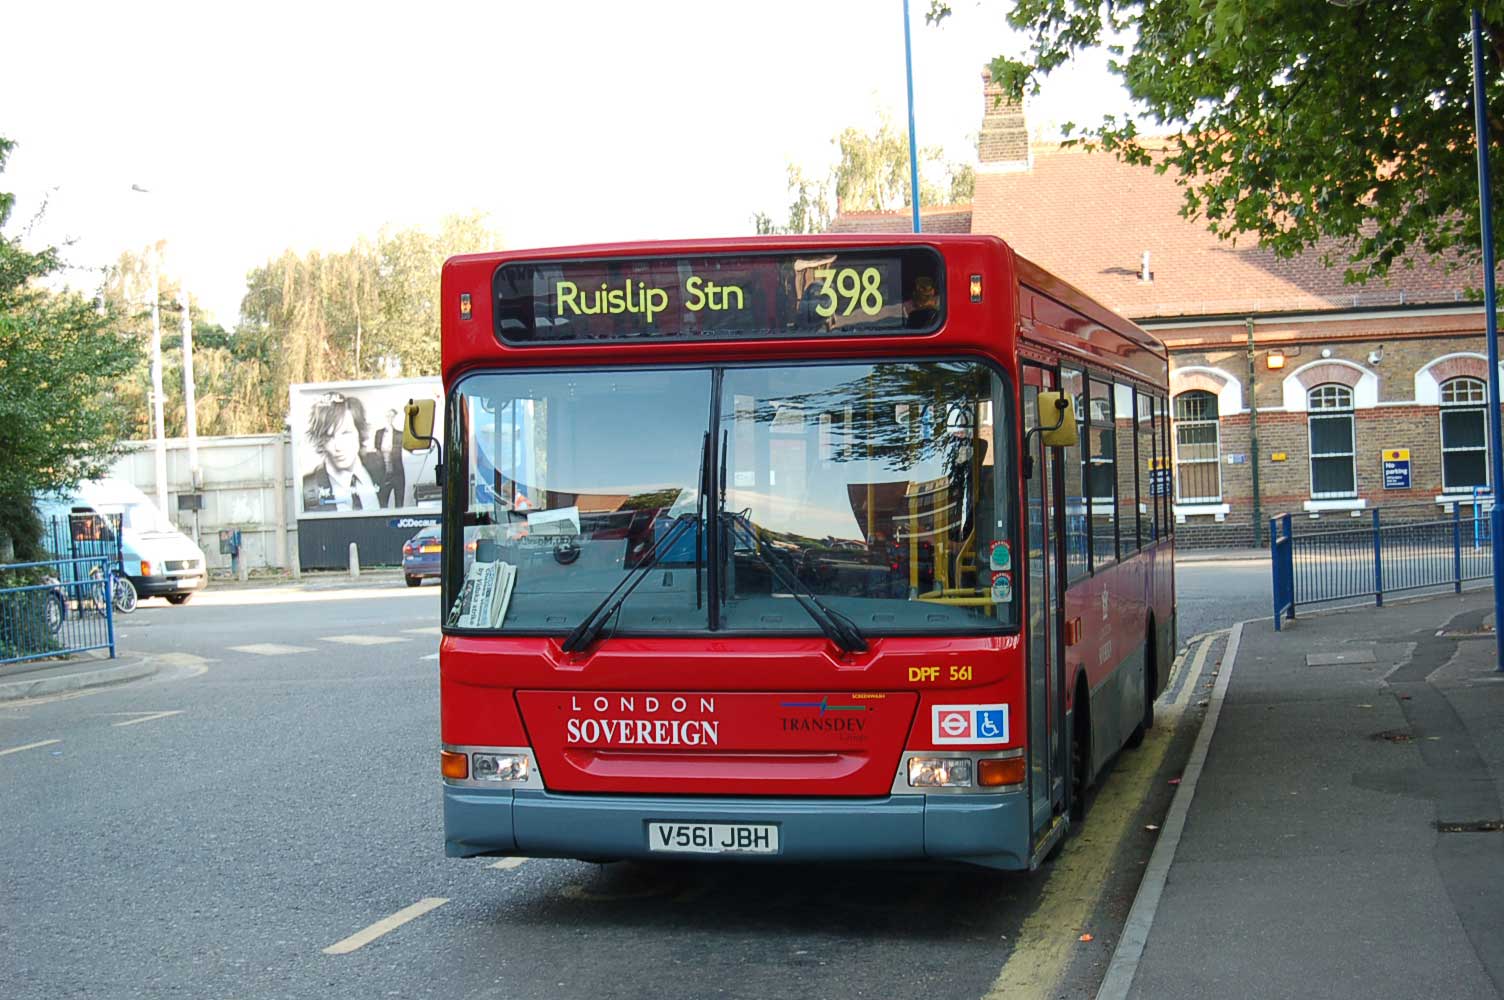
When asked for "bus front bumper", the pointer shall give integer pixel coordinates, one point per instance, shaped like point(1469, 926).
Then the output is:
point(983, 829)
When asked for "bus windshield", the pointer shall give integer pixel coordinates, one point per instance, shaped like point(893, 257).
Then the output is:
point(880, 490)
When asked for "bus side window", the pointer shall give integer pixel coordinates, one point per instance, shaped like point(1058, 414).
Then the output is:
point(1101, 475)
point(1162, 450)
point(1077, 562)
point(1148, 464)
point(1128, 494)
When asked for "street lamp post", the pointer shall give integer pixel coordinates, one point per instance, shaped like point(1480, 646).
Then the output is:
point(158, 423)
point(1491, 324)
point(190, 394)
point(908, 65)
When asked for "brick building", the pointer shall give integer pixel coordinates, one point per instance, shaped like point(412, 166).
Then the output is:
point(1340, 374)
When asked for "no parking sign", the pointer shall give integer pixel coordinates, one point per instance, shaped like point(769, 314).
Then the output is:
point(1396, 468)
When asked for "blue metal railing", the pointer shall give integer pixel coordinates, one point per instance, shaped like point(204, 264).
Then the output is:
point(63, 604)
point(1391, 550)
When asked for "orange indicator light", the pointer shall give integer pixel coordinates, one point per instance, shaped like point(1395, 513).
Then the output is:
point(1008, 771)
point(454, 765)
point(464, 305)
point(976, 288)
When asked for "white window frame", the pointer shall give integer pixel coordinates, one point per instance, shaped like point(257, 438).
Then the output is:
point(1331, 401)
point(1476, 401)
point(1215, 423)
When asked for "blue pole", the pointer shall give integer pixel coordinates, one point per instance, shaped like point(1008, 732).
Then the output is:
point(1490, 317)
point(1457, 547)
point(908, 66)
point(1378, 562)
point(1276, 572)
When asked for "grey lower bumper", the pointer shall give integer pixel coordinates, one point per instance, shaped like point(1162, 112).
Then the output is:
point(991, 830)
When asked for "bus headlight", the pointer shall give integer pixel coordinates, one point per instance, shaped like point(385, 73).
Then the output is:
point(940, 772)
point(499, 766)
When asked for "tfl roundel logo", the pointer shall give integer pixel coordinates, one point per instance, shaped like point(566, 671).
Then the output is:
point(969, 724)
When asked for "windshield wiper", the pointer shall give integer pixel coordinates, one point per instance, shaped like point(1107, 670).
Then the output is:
point(590, 628)
point(837, 627)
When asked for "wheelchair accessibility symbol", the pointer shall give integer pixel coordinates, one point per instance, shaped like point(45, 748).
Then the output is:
point(969, 724)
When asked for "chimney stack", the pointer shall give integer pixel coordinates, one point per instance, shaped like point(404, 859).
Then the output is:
point(1004, 140)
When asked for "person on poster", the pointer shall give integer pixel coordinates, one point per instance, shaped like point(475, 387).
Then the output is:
point(388, 444)
point(345, 479)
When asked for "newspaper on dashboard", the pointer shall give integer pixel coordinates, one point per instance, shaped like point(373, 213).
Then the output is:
point(484, 596)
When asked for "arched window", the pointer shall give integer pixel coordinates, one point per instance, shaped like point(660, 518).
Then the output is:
point(1464, 435)
point(1198, 448)
point(1333, 473)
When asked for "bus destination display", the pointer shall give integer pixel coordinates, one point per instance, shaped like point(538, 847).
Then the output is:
point(725, 296)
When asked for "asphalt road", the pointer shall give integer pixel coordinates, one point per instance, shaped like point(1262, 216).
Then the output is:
point(1212, 594)
point(273, 791)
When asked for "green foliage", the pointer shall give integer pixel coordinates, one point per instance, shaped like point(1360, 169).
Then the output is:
point(229, 369)
point(871, 175)
point(1295, 120)
point(809, 207)
point(60, 365)
point(370, 312)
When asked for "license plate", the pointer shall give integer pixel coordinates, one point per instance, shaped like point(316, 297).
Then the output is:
point(713, 838)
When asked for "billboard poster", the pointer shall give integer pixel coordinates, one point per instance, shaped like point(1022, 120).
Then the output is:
point(347, 449)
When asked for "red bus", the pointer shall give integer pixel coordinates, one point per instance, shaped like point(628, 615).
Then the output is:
point(764, 559)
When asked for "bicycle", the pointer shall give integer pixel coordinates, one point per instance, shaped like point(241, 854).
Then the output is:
point(54, 605)
point(120, 586)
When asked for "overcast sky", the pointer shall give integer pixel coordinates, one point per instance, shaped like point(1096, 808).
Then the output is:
point(259, 127)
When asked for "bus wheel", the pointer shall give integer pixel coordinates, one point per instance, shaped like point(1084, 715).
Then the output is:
point(1080, 754)
point(1151, 678)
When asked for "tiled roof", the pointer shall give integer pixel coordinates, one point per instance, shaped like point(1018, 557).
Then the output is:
point(1089, 218)
point(937, 219)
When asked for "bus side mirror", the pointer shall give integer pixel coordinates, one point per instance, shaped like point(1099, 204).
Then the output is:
point(1059, 432)
point(417, 425)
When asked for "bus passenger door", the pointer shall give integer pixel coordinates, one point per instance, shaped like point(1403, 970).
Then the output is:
point(1043, 533)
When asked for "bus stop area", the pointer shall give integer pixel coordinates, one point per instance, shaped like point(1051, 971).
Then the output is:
point(1337, 831)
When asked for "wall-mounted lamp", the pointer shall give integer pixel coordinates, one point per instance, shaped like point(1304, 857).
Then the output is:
point(1275, 360)
point(1374, 357)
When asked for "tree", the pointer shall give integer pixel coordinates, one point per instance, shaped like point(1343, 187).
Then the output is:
point(60, 362)
point(1295, 120)
point(809, 209)
point(370, 312)
point(871, 175)
point(229, 369)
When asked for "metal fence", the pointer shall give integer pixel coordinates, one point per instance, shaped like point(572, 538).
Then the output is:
point(63, 604)
point(1386, 551)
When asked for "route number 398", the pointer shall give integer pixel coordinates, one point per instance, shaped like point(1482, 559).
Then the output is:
point(850, 288)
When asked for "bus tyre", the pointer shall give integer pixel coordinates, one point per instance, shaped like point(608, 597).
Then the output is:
point(1151, 680)
point(1080, 756)
point(414, 581)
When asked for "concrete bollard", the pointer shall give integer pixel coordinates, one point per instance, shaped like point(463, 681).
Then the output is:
point(243, 568)
point(354, 561)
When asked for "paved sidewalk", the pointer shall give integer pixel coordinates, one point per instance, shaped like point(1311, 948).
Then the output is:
point(383, 576)
point(1343, 837)
point(49, 677)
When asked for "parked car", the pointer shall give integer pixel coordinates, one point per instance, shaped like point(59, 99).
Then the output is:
point(420, 555)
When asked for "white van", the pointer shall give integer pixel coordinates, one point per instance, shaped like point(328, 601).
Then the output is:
point(158, 558)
